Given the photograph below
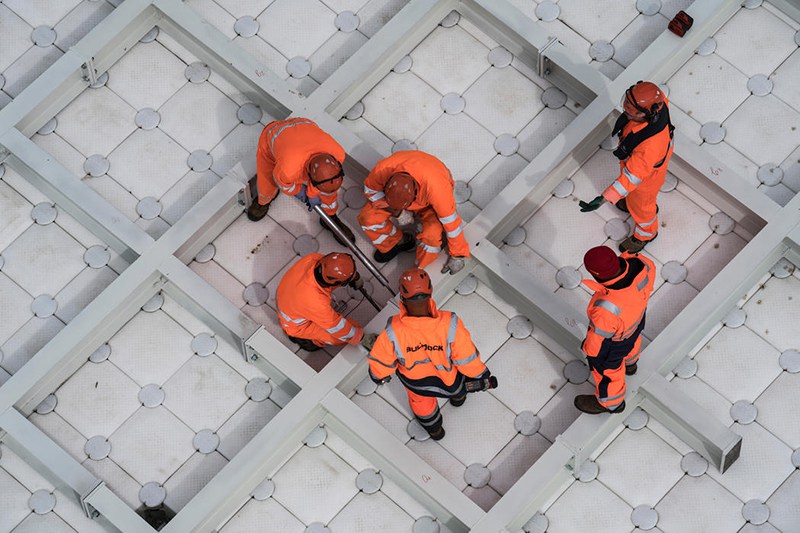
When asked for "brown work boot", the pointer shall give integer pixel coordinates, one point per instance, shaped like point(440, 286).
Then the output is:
point(341, 225)
point(306, 344)
point(257, 211)
point(631, 369)
point(438, 434)
point(632, 245)
point(622, 205)
point(407, 243)
point(588, 404)
point(458, 402)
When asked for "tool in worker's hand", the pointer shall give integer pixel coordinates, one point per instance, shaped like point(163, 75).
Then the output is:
point(475, 385)
point(353, 248)
point(680, 23)
point(592, 205)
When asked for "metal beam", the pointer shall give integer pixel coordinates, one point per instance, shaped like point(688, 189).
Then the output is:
point(419, 479)
point(74, 196)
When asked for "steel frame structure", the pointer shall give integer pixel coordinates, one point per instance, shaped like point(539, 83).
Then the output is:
point(308, 398)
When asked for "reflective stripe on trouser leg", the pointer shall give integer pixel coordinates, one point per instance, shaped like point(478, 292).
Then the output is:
point(610, 386)
point(379, 228)
point(426, 411)
point(642, 206)
point(430, 238)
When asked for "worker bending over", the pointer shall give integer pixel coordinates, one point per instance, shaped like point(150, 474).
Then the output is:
point(644, 150)
point(430, 351)
point(616, 319)
point(304, 301)
point(295, 156)
point(422, 184)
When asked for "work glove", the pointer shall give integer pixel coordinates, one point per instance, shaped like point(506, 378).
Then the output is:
point(454, 265)
point(357, 282)
point(368, 340)
point(310, 201)
point(302, 196)
point(591, 206)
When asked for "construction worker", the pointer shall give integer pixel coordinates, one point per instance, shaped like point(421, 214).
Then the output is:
point(295, 156)
point(304, 301)
point(422, 184)
point(645, 147)
point(430, 351)
point(616, 312)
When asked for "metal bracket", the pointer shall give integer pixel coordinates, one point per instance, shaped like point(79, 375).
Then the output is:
point(90, 511)
point(89, 72)
point(543, 62)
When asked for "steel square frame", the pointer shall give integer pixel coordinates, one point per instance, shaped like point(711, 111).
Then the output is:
point(307, 398)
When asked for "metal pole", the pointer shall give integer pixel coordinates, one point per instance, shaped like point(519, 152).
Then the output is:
point(353, 248)
point(369, 299)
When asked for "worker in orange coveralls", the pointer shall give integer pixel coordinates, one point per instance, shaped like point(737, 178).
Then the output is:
point(295, 156)
point(304, 301)
point(422, 184)
point(644, 151)
point(430, 351)
point(616, 319)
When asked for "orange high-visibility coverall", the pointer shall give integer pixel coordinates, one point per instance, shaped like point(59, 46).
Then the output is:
point(641, 176)
point(616, 319)
point(432, 356)
point(434, 205)
point(284, 148)
point(304, 308)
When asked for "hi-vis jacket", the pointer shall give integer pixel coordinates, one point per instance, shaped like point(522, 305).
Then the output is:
point(304, 308)
point(431, 355)
point(646, 167)
point(435, 190)
point(285, 147)
point(614, 311)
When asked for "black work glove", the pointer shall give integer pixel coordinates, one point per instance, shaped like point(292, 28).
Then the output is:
point(591, 206)
point(378, 381)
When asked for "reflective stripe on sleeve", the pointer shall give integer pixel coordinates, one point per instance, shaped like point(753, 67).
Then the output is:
point(384, 237)
point(622, 191)
point(342, 323)
point(393, 365)
point(633, 178)
point(467, 359)
point(603, 333)
point(292, 320)
point(450, 218)
point(373, 195)
point(608, 306)
point(393, 339)
point(376, 227)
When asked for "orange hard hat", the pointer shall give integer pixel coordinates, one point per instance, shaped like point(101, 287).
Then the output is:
point(400, 190)
point(415, 284)
point(642, 100)
point(337, 268)
point(325, 172)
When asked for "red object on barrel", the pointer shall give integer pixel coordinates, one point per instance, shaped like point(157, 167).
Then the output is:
point(680, 24)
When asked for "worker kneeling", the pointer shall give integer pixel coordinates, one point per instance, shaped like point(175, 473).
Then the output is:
point(420, 183)
point(430, 351)
point(304, 301)
point(616, 320)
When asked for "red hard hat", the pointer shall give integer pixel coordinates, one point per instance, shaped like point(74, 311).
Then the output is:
point(337, 268)
point(642, 100)
point(400, 190)
point(325, 172)
point(415, 284)
point(601, 262)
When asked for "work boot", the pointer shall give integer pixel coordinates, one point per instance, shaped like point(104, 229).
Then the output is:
point(305, 344)
point(588, 404)
point(347, 231)
point(257, 211)
point(407, 243)
point(438, 434)
point(631, 369)
point(632, 245)
point(622, 205)
point(458, 402)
